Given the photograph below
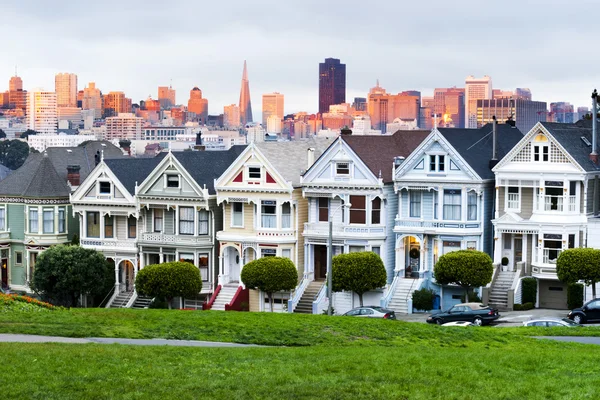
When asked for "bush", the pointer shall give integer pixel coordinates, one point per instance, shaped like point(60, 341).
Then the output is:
point(574, 295)
point(579, 264)
point(169, 280)
point(529, 290)
point(358, 272)
point(504, 260)
point(270, 275)
point(473, 297)
point(523, 307)
point(423, 299)
point(466, 268)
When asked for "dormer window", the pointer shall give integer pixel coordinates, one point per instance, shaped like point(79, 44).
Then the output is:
point(254, 172)
point(104, 187)
point(342, 168)
point(172, 181)
point(437, 163)
point(540, 148)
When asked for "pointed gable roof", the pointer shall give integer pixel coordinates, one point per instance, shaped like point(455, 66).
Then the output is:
point(37, 178)
point(569, 136)
point(378, 152)
point(475, 145)
point(130, 171)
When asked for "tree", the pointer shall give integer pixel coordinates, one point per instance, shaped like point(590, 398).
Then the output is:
point(270, 275)
point(2, 134)
point(27, 133)
point(466, 268)
point(169, 280)
point(13, 153)
point(583, 264)
point(358, 272)
point(64, 273)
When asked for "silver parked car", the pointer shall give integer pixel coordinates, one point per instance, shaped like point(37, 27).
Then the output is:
point(551, 322)
point(371, 312)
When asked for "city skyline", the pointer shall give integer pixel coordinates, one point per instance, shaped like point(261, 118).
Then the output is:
point(117, 60)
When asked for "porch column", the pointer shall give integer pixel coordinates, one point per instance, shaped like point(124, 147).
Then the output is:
point(221, 271)
point(141, 260)
point(423, 251)
point(102, 215)
point(497, 212)
point(524, 246)
point(117, 280)
point(497, 246)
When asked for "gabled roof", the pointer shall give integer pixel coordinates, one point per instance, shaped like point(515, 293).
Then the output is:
point(36, 178)
point(475, 145)
point(569, 136)
point(290, 159)
point(378, 152)
point(130, 171)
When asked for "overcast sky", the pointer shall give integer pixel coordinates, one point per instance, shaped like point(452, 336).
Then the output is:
point(549, 46)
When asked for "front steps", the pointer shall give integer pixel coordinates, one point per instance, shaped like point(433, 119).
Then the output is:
point(499, 290)
point(121, 300)
point(305, 304)
point(225, 296)
point(142, 302)
point(404, 291)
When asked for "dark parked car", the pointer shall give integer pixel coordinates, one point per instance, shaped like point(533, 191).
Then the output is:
point(371, 312)
point(590, 312)
point(476, 313)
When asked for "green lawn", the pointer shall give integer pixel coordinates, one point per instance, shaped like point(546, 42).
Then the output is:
point(326, 357)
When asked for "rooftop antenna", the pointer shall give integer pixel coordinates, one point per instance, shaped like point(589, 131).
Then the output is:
point(16, 70)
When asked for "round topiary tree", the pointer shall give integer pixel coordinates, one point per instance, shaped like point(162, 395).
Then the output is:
point(358, 272)
point(270, 275)
point(583, 264)
point(466, 268)
point(169, 280)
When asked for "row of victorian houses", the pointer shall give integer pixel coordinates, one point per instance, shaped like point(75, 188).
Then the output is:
point(522, 197)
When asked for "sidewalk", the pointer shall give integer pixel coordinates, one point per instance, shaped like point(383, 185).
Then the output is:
point(507, 318)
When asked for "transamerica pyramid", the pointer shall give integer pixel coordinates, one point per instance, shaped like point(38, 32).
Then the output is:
point(245, 104)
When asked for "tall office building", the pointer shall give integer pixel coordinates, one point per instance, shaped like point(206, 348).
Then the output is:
point(231, 116)
point(92, 100)
point(384, 107)
point(475, 89)
point(15, 83)
point(124, 126)
point(116, 103)
point(449, 107)
point(65, 86)
point(166, 97)
point(426, 120)
point(198, 105)
point(360, 104)
point(563, 112)
point(42, 114)
point(523, 93)
point(332, 83)
point(17, 97)
point(245, 103)
point(272, 104)
point(525, 113)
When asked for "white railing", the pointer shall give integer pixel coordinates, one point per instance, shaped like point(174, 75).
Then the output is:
point(572, 203)
point(322, 228)
point(320, 302)
point(297, 295)
point(268, 221)
point(108, 243)
point(387, 297)
point(437, 224)
point(183, 239)
point(513, 201)
point(556, 203)
point(549, 256)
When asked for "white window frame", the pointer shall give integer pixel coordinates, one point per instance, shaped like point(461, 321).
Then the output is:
point(37, 219)
point(110, 188)
point(190, 210)
point(420, 195)
point(471, 194)
point(198, 214)
point(275, 206)
point(2, 218)
point(507, 200)
point(291, 222)
point(49, 211)
point(346, 163)
point(287, 249)
point(162, 220)
point(542, 146)
point(233, 213)
point(437, 156)
point(167, 176)
point(460, 205)
point(62, 220)
point(254, 179)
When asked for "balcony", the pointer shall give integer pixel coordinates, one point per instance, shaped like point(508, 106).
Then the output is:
point(557, 203)
point(129, 244)
point(46, 239)
point(322, 228)
point(161, 238)
point(5, 235)
point(403, 223)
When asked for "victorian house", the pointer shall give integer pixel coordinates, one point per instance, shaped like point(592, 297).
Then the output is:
point(547, 192)
point(445, 202)
point(351, 184)
point(263, 216)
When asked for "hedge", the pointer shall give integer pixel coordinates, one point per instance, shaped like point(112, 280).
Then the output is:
point(529, 290)
point(423, 299)
point(523, 307)
point(574, 295)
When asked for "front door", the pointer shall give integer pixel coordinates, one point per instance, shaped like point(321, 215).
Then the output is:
point(4, 264)
point(234, 264)
point(320, 262)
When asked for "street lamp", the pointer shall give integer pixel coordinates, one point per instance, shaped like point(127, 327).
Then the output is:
point(330, 256)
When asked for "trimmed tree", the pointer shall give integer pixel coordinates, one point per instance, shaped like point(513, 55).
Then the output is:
point(583, 264)
point(64, 273)
point(169, 280)
point(270, 275)
point(466, 268)
point(358, 272)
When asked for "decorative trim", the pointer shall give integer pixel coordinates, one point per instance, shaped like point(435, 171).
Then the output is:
point(33, 201)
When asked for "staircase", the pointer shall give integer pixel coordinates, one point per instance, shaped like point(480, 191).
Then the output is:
point(305, 304)
point(404, 291)
point(225, 296)
point(121, 300)
point(142, 302)
point(499, 290)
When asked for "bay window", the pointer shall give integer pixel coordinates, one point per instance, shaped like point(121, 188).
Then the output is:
point(286, 216)
point(358, 212)
point(202, 222)
point(93, 224)
point(452, 202)
point(186, 220)
point(323, 209)
point(203, 266)
point(158, 220)
point(237, 218)
point(61, 220)
point(472, 206)
point(108, 226)
point(415, 204)
point(48, 217)
point(376, 211)
point(33, 220)
point(513, 201)
point(131, 228)
point(3, 219)
point(268, 213)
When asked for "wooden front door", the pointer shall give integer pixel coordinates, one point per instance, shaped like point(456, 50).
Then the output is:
point(4, 266)
point(320, 262)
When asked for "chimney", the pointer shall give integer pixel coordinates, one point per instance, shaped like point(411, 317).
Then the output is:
point(97, 157)
point(494, 159)
point(198, 146)
point(594, 154)
point(73, 174)
point(310, 157)
point(346, 131)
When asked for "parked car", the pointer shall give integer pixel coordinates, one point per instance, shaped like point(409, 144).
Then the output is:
point(476, 313)
point(551, 322)
point(459, 323)
point(371, 312)
point(589, 312)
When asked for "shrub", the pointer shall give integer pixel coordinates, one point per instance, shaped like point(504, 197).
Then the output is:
point(17, 302)
point(504, 260)
point(423, 299)
point(473, 297)
point(358, 272)
point(466, 268)
point(169, 280)
point(523, 307)
point(528, 290)
point(574, 295)
point(579, 264)
point(270, 275)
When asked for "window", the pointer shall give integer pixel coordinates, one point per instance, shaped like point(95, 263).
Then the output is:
point(203, 266)
point(61, 220)
point(286, 253)
point(268, 252)
point(432, 163)
point(540, 153)
point(131, 228)
point(268, 211)
point(202, 222)
point(323, 209)
point(3, 219)
point(436, 203)
point(441, 163)
point(450, 246)
point(376, 211)
point(571, 241)
point(472, 245)
point(238, 214)
point(104, 187)
point(254, 172)
point(186, 257)
point(186, 220)
point(108, 226)
point(33, 220)
point(437, 163)
point(342, 168)
point(415, 204)
point(158, 220)
point(286, 216)
point(513, 198)
point(376, 250)
point(356, 249)
point(93, 224)
point(452, 204)
point(358, 212)
point(172, 181)
point(472, 206)
point(18, 257)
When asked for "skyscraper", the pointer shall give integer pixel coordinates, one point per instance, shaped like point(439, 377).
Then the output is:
point(245, 104)
point(116, 103)
point(475, 89)
point(17, 97)
point(92, 100)
point(231, 116)
point(65, 86)
point(272, 104)
point(166, 96)
point(524, 113)
point(449, 106)
point(198, 105)
point(384, 107)
point(42, 115)
point(332, 83)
